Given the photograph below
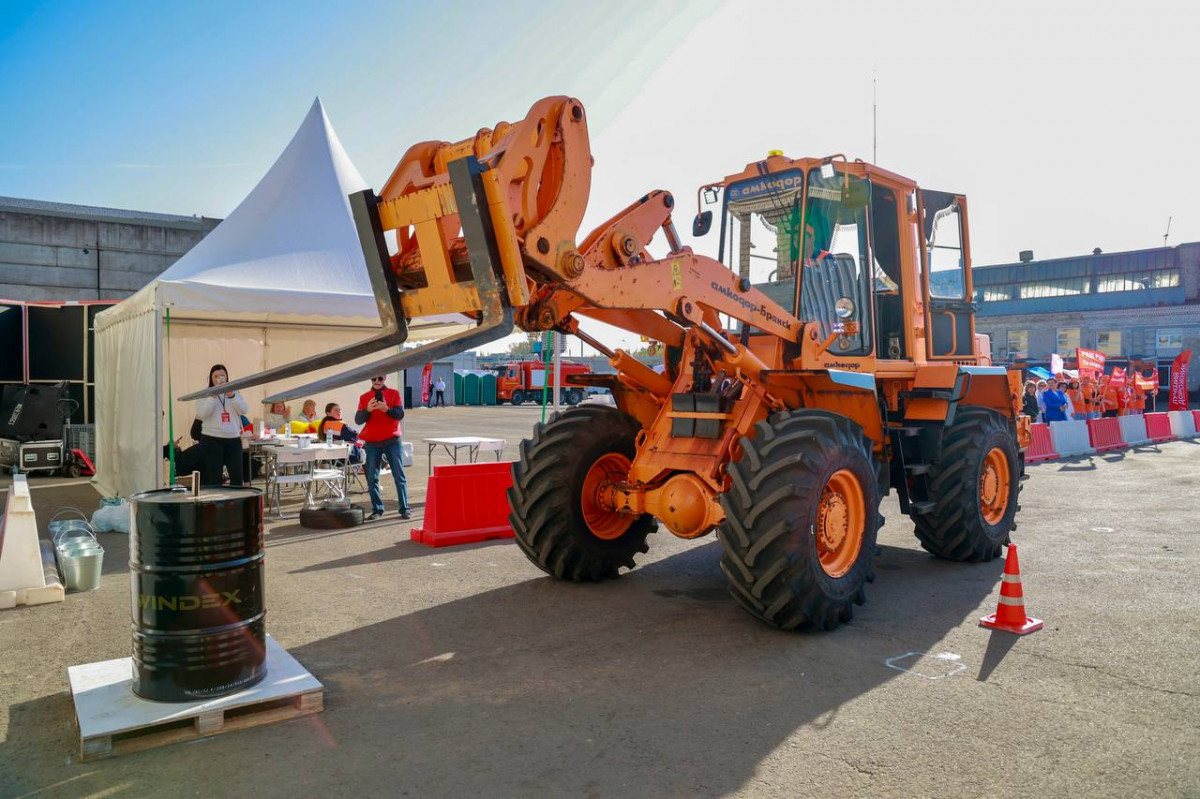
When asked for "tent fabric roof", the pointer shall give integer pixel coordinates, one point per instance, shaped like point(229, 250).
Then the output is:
point(288, 252)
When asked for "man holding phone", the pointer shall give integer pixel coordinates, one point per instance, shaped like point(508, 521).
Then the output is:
point(379, 412)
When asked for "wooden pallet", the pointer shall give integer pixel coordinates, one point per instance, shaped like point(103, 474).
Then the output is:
point(112, 720)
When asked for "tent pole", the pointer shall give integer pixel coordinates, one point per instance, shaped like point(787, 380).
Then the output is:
point(171, 406)
point(158, 371)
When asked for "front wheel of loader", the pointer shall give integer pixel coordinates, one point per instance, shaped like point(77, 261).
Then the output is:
point(801, 520)
point(559, 523)
point(974, 488)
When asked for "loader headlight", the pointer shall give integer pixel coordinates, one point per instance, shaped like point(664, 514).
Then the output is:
point(844, 308)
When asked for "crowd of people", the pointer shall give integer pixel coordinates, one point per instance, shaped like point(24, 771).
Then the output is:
point(221, 429)
point(1064, 398)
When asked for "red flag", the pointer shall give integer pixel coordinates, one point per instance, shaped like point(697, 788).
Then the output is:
point(1146, 383)
point(1089, 361)
point(1117, 380)
point(426, 382)
point(1179, 398)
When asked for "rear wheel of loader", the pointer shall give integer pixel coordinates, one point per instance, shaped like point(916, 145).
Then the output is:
point(801, 520)
point(975, 488)
point(559, 524)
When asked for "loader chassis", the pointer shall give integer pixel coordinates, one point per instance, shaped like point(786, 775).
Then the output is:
point(827, 356)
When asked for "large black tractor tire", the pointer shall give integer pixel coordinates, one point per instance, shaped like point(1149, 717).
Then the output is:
point(547, 496)
point(792, 487)
point(975, 487)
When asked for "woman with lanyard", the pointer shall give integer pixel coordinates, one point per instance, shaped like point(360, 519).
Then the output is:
point(221, 431)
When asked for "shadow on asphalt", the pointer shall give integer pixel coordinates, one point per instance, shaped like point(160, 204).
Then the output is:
point(401, 550)
point(999, 645)
point(655, 684)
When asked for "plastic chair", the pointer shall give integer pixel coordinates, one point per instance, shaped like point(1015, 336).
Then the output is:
point(291, 466)
point(330, 470)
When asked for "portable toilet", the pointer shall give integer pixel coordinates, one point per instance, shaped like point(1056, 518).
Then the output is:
point(471, 392)
point(487, 388)
point(459, 397)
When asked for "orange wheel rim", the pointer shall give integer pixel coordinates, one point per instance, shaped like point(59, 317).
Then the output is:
point(841, 520)
point(994, 486)
point(603, 521)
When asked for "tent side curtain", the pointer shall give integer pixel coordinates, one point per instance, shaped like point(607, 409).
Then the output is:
point(126, 382)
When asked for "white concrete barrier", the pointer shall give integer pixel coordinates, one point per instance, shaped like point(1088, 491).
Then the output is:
point(1183, 424)
point(1133, 429)
point(1070, 438)
point(22, 570)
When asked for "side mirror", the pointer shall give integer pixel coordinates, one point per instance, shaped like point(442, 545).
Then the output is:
point(702, 223)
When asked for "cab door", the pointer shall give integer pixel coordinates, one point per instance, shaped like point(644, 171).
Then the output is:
point(946, 275)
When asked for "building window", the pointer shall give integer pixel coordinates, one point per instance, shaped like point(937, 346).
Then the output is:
point(996, 294)
point(1109, 342)
point(1018, 343)
point(1160, 279)
point(1169, 339)
point(1068, 340)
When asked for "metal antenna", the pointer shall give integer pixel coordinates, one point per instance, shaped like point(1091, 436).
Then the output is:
point(874, 119)
point(1168, 233)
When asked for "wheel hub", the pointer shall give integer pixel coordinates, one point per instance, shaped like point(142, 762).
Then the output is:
point(994, 486)
point(604, 522)
point(832, 520)
point(841, 523)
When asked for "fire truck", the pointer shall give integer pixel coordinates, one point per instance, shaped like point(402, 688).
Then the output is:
point(520, 381)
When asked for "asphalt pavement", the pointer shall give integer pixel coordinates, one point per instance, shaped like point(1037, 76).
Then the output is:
point(467, 672)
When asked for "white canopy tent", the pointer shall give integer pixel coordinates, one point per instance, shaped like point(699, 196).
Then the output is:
point(283, 277)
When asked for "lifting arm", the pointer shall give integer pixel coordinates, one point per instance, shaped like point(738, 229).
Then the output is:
point(487, 227)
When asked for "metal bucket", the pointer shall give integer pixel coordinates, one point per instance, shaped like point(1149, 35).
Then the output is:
point(57, 526)
point(81, 561)
point(196, 579)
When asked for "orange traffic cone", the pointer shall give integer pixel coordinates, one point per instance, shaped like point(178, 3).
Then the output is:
point(1010, 613)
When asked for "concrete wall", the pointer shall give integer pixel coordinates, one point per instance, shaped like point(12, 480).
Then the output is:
point(63, 257)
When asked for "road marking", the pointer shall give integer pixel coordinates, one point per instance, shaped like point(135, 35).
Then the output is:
point(927, 666)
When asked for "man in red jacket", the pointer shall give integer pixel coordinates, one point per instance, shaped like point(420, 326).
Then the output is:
point(379, 412)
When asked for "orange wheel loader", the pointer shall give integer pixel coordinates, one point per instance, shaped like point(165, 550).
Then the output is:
point(825, 358)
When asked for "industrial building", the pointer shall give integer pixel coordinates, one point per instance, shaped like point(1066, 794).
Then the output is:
point(1137, 306)
point(59, 252)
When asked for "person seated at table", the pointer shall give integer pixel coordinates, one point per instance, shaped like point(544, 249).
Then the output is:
point(308, 413)
point(332, 422)
point(279, 415)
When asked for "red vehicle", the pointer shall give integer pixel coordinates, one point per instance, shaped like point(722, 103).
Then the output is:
point(518, 381)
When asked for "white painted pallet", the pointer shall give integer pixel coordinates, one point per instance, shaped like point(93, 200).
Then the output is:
point(112, 720)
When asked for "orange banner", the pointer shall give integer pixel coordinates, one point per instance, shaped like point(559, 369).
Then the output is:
point(1089, 360)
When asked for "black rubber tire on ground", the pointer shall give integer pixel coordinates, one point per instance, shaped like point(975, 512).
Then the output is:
point(769, 534)
point(545, 497)
point(72, 470)
point(574, 396)
point(956, 529)
point(331, 518)
point(518, 397)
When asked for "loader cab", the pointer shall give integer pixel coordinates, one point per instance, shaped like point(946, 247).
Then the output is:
point(852, 248)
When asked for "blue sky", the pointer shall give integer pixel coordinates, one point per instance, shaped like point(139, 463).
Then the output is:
point(181, 108)
point(1069, 125)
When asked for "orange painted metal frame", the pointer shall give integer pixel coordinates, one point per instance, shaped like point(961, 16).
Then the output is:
point(537, 185)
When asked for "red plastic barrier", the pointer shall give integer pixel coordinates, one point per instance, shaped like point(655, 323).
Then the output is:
point(466, 503)
point(1158, 427)
point(1041, 448)
point(1105, 434)
point(1196, 420)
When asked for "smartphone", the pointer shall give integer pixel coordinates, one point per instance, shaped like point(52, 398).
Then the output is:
point(378, 395)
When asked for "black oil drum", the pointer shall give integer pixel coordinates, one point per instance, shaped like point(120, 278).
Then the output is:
point(196, 579)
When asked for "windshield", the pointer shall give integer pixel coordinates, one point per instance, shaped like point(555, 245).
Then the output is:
point(834, 291)
point(760, 235)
